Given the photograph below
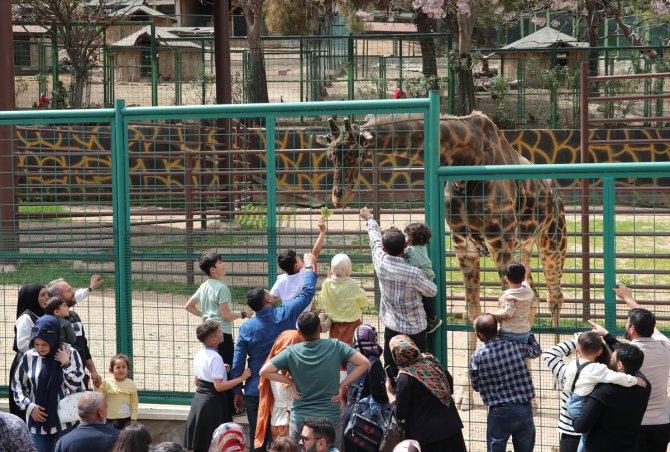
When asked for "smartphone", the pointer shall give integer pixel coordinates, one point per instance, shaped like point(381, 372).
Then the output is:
point(389, 374)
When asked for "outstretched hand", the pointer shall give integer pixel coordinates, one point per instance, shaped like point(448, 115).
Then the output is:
point(626, 294)
point(365, 213)
point(598, 329)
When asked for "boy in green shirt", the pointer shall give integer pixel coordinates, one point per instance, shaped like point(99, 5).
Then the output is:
point(215, 304)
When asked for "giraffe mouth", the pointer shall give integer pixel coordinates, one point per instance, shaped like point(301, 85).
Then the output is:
point(341, 201)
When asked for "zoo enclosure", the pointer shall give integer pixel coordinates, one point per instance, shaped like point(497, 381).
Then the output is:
point(169, 203)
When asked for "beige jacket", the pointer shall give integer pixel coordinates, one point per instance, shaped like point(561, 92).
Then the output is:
point(514, 306)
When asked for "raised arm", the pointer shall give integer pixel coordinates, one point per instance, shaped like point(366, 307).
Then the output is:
point(553, 357)
point(316, 249)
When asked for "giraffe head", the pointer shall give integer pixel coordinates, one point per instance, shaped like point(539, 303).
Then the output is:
point(347, 150)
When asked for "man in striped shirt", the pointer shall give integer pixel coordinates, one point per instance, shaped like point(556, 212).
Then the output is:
point(500, 375)
point(401, 286)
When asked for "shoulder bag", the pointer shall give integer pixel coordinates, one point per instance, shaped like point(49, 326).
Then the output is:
point(396, 431)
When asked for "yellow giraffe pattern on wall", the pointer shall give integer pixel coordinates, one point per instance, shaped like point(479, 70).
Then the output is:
point(77, 158)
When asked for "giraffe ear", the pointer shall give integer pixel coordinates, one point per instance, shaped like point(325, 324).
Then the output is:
point(365, 138)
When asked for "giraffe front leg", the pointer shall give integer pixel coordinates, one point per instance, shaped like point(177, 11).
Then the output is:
point(469, 263)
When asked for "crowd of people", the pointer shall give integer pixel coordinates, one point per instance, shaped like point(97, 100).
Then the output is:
point(302, 392)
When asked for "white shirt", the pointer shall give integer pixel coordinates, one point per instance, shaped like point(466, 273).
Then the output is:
point(656, 367)
point(593, 374)
point(288, 287)
point(208, 365)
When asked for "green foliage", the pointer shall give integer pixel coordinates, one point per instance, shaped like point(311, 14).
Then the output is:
point(290, 17)
point(255, 217)
point(467, 63)
point(419, 87)
point(195, 89)
point(59, 96)
point(499, 88)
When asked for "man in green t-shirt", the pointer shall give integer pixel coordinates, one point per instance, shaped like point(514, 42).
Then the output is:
point(216, 304)
point(314, 366)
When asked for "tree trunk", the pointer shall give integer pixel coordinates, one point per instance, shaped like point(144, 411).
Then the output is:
point(258, 85)
point(78, 83)
point(428, 53)
point(465, 86)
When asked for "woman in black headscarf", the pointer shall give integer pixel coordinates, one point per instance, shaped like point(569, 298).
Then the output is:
point(32, 298)
point(47, 373)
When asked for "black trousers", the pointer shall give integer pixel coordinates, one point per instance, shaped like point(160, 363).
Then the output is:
point(420, 339)
point(654, 438)
point(569, 443)
point(226, 350)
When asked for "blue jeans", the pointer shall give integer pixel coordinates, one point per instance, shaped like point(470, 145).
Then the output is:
point(510, 420)
point(47, 443)
point(516, 337)
point(251, 403)
point(575, 406)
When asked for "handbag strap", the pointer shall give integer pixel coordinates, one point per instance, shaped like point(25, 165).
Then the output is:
point(392, 416)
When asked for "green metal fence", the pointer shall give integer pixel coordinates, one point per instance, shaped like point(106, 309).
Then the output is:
point(135, 194)
point(628, 242)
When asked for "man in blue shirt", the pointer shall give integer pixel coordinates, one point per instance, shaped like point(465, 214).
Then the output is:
point(257, 335)
point(500, 375)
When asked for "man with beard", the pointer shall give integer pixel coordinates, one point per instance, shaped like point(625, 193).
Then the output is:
point(641, 331)
point(318, 435)
point(61, 289)
point(612, 413)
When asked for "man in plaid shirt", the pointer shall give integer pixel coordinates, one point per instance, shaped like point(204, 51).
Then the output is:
point(500, 375)
point(401, 286)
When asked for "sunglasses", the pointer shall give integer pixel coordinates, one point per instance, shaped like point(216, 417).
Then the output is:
point(304, 439)
point(42, 330)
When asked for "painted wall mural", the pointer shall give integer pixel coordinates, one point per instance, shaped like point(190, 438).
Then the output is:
point(163, 158)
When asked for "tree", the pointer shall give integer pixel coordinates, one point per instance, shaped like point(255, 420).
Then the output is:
point(253, 16)
point(79, 28)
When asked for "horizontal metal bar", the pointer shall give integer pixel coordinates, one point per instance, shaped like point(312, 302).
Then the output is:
point(604, 78)
point(618, 120)
point(634, 97)
point(631, 141)
point(555, 171)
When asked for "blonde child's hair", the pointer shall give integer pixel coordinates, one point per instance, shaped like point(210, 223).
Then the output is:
point(340, 266)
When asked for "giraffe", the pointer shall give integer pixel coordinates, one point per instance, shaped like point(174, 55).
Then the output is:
point(496, 218)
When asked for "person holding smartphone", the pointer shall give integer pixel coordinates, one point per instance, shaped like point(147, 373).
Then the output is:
point(423, 398)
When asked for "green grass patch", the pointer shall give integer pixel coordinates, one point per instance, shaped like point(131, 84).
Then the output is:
point(46, 209)
point(202, 242)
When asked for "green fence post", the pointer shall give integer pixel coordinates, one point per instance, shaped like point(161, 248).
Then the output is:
point(105, 75)
point(54, 56)
point(302, 71)
point(350, 66)
point(121, 223)
point(609, 251)
point(554, 92)
point(431, 164)
point(521, 92)
point(154, 67)
point(203, 74)
point(400, 57)
point(271, 166)
point(451, 104)
point(177, 82)
point(659, 86)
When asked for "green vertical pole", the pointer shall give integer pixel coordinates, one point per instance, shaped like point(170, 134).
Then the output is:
point(659, 87)
point(609, 251)
point(521, 95)
point(121, 223)
point(451, 104)
point(54, 55)
point(154, 67)
point(105, 67)
point(271, 195)
point(177, 82)
point(554, 92)
point(350, 67)
point(400, 71)
point(302, 71)
point(203, 74)
point(432, 211)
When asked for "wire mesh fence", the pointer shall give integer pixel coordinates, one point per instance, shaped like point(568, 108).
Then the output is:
point(136, 194)
point(622, 221)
